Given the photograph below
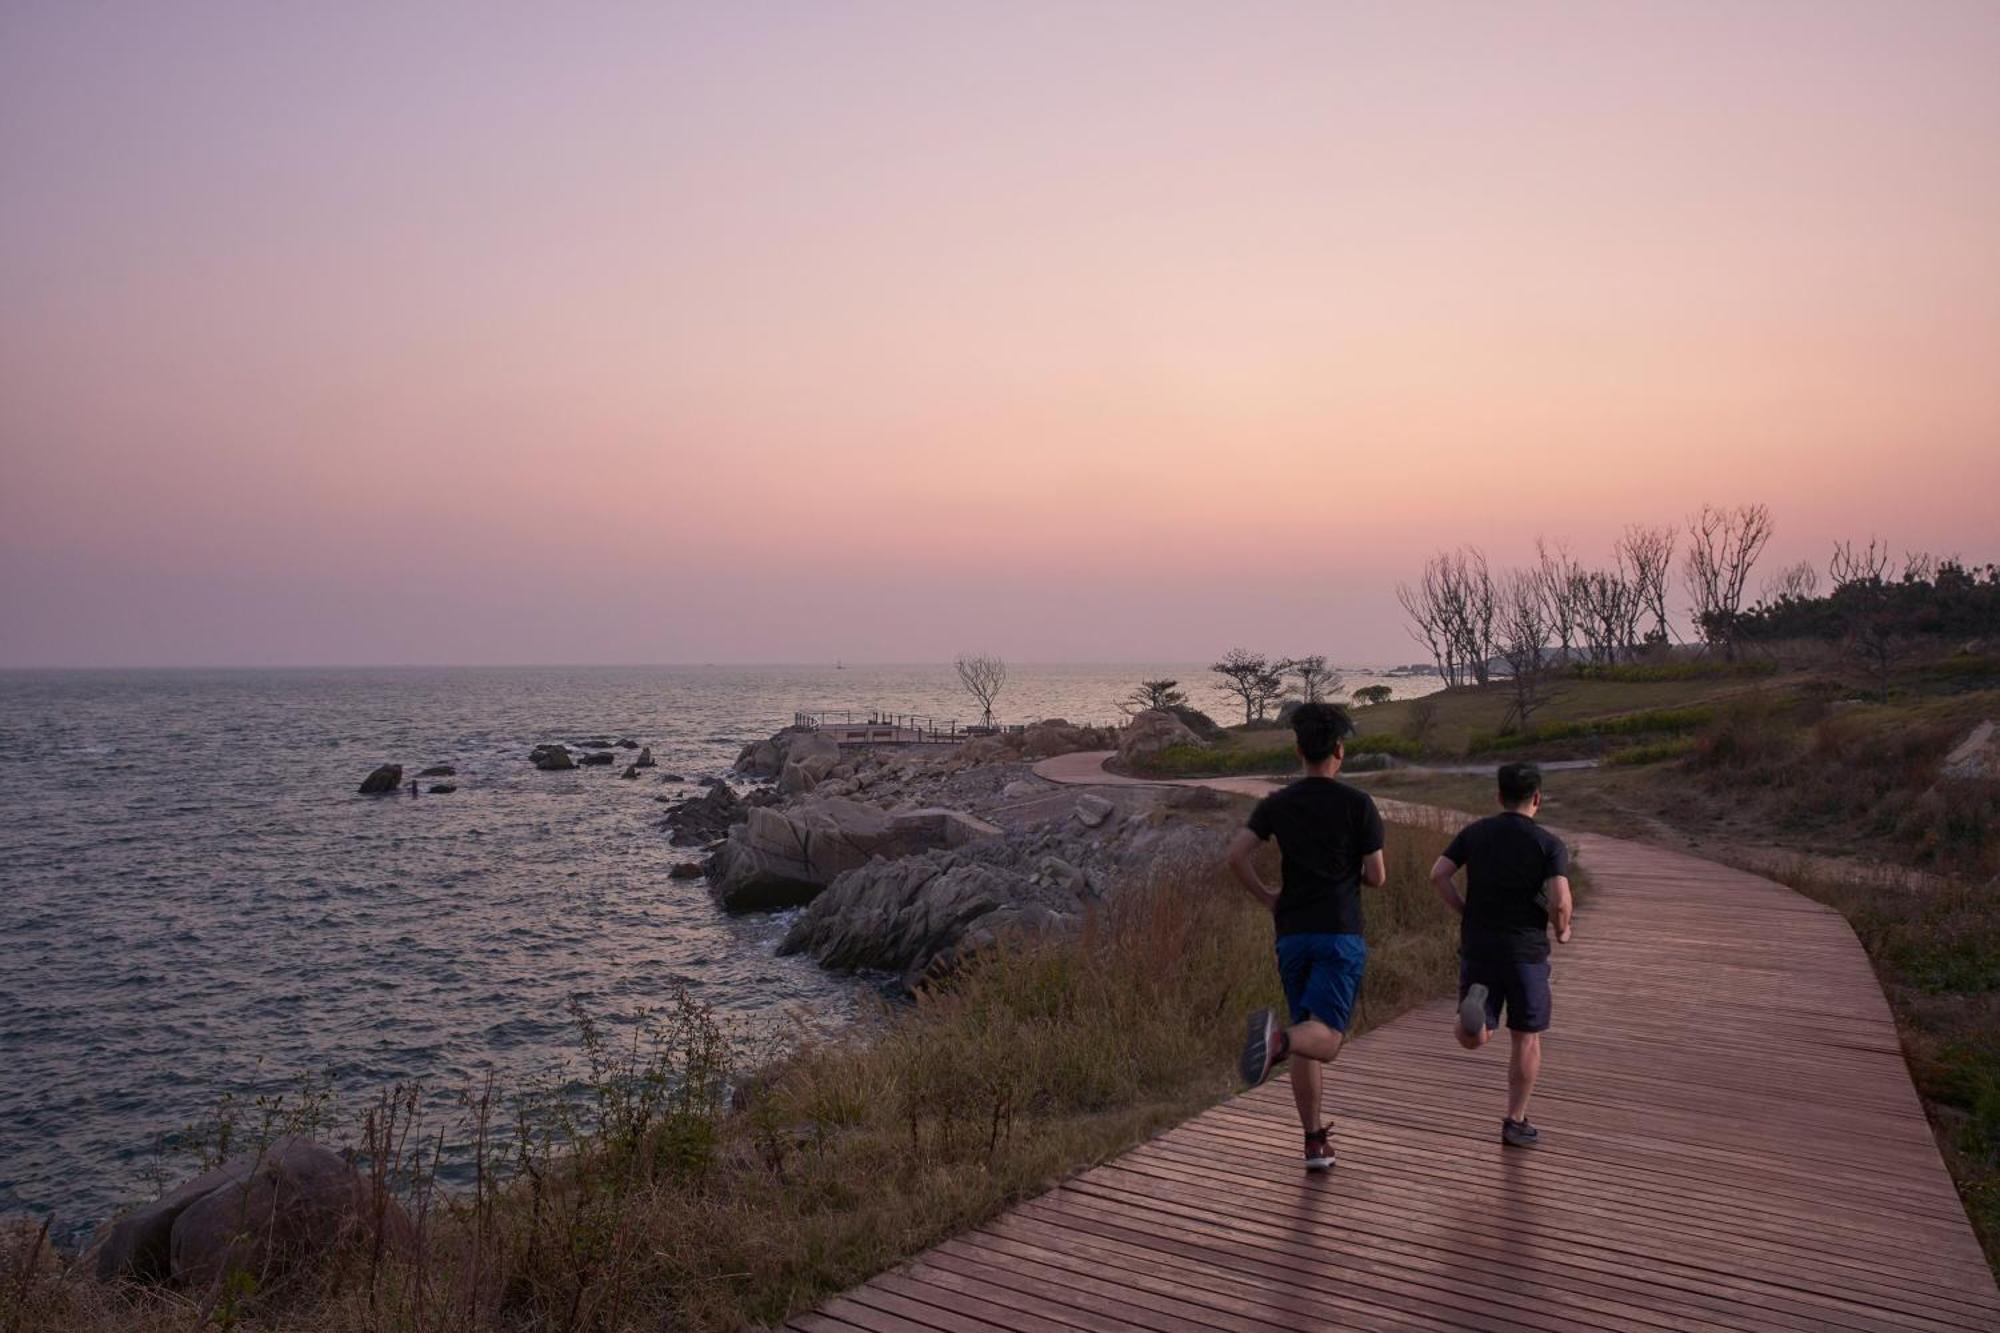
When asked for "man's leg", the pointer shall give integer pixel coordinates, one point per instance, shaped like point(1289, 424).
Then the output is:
point(1475, 1020)
point(1306, 1084)
point(1522, 1070)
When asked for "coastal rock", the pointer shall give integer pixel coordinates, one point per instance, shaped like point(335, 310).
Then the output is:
point(387, 778)
point(1151, 731)
point(1022, 789)
point(778, 859)
point(700, 820)
point(443, 788)
point(439, 771)
point(267, 1213)
point(982, 750)
point(1092, 810)
point(645, 759)
point(685, 870)
point(596, 759)
point(1196, 798)
point(599, 744)
point(766, 758)
point(1977, 757)
point(551, 758)
point(627, 743)
point(631, 771)
point(1055, 736)
point(672, 777)
point(809, 758)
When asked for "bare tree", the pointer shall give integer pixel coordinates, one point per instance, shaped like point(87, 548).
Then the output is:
point(1609, 613)
point(1253, 679)
point(1724, 546)
point(1316, 679)
point(1646, 557)
point(983, 677)
point(1421, 604)
point(1795, 583)
point(1561, 583)
point(1851, 565)
point(1524, 636)
point(1164, 695)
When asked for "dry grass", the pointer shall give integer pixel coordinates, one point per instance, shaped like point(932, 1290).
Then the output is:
point(634, 1199)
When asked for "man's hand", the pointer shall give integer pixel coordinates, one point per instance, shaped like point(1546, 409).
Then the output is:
point(1442, 871)
point(1563, 905)
point(1241, 849)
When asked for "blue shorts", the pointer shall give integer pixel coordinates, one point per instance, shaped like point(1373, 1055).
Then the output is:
point(1322, 975)
point(1521, 988)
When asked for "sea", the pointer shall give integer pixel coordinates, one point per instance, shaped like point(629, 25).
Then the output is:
point(196, 903)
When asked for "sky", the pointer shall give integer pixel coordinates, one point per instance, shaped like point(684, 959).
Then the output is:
point(493, 333)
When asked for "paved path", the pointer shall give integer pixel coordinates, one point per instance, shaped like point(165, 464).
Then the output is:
point(1730, 1140)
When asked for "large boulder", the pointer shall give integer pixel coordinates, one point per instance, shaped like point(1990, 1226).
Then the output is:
point(809, 758)
point(783, 858)
point(766, 758)
point(551, 758)
point(596, 759)
point(383, 780)
point(1045, 740)
point(702, 819)
point(645, 759)
point(268, 1213)
point(1151, 731)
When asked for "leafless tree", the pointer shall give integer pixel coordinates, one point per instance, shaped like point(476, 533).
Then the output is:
point(1610, 613)
point(983, 677)
point(1792, 583)
point(1851, 564)
point(1561, 584)
point(1646, 556)
point(1163, 695)
point(1422, 604)
point(1253, 679)
point(1723, 548)
point(1524, 637)
point(1316, 679)
point(1452, 612)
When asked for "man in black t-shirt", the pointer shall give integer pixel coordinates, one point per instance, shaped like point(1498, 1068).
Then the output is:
point(1330, 837)
point(1516, 881)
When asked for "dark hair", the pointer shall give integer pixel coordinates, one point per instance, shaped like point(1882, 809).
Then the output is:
point(1320, 727)
point(1518, 782)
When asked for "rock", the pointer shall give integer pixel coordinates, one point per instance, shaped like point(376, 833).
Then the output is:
point(1044, 740)
point(599, 744)
point(767, 758)
point(596, 759)
point(1975, 758)
point(1367, 763)
point(443, 788)
point(631, 771)
point(387, 778)
point(1151, 731)
point(1196, 798)
point(627, 743)
point(982, 750)
point(714, 782)
point(1022, 789)
point(685, 870)
point(700, 820)
point(439, 771)
point(645, 759)
point(672, 777)
point(551, 758)
point(1093, 810)
point(266, 1213)
point(778, 859)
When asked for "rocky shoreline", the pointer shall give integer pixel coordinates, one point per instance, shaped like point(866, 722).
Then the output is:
point(904, 860)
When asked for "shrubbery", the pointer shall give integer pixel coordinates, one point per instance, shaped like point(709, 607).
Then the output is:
point(1666, 721)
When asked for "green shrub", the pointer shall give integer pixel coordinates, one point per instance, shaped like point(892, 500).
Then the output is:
point(1649, 673)
point(1652, 721)
point(1653, 752)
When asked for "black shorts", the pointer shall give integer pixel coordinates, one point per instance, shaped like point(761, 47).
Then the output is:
point(1522, 989)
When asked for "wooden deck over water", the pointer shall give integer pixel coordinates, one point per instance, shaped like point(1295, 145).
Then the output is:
point(1730, 1139)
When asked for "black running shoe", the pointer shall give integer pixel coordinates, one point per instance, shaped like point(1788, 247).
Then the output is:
point(1472, 1010)
point(1519, 1133)
point(1261, 1047)
point(1319, 1149)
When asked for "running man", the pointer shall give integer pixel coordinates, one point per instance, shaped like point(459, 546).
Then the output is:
point(1516, 879)
point(1330, 837)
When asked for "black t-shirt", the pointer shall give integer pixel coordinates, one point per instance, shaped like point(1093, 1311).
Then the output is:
point(1324, 829)
point(1507, 857)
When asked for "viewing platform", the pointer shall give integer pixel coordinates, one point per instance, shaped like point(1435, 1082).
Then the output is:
point(876, 727)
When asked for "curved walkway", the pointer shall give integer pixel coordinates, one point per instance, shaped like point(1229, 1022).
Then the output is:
point(1730, 1140)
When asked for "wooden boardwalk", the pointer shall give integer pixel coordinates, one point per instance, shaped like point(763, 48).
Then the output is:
point(1730, 1139)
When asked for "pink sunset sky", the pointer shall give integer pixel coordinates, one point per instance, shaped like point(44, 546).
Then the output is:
point(424, 333)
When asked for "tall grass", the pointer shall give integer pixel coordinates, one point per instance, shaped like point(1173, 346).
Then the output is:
point(679, 1182)
point(1198, 761)
point(1648, 722)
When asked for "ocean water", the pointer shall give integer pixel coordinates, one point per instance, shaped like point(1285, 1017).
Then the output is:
point(194, 900)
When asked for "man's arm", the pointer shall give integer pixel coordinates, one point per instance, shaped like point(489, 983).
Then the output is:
point(1442, 872)
point(1561, 905)
point(1374, 870)
point(1241, 849)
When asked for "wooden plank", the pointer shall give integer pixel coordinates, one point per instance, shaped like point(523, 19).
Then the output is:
point(1731, 1141)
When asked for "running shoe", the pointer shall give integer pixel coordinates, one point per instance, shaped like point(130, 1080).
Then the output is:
point(1319, 1149)
point(1263, 1047)
point(1519, 1133)
point(1472, 1010)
